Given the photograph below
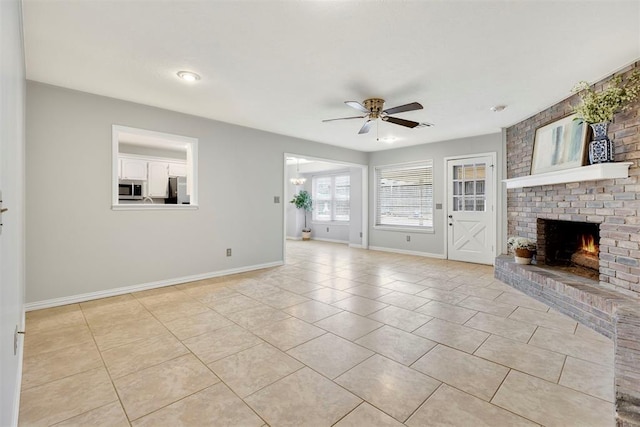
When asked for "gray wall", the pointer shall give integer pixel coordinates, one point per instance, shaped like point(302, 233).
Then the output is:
point(76, 244)
point(356, 205)
point(430, 243)
point(12, 91)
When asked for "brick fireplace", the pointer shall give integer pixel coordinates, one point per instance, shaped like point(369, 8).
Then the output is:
point(608, 298)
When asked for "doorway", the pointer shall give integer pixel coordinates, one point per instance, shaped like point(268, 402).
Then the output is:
point(338, 216)
point(471, 211)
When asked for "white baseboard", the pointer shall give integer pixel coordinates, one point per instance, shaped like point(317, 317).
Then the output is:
point(329, 240)
point(294, 238)
point(55, 302)
point(355, 245)
point(405, 252)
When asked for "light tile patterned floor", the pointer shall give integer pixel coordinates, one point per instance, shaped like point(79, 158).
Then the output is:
point(337, 336)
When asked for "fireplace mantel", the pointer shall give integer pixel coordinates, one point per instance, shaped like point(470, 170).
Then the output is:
point(584, 173)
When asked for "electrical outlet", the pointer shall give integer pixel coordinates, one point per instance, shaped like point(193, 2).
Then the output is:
point(327, 229)
point(276, 199)
point(408, 238)
point(361, 234)
point(229, 252)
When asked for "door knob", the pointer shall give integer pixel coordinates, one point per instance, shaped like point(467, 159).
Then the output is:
point(451, 224)
point(450, 216)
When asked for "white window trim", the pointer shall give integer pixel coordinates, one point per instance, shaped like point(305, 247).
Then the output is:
point(402, 228)
point(313, 187)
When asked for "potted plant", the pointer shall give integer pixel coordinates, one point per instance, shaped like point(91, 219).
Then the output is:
point(523, 249)
point(598, 109)
point(302, 200)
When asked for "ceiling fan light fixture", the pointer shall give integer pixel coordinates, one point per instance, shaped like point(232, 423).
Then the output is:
point(188, 76)
point(388, 139)
point(373, 109)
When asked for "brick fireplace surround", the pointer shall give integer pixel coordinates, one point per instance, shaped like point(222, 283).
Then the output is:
point(611, 305)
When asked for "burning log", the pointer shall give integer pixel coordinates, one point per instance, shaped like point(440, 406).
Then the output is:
point(586, 259)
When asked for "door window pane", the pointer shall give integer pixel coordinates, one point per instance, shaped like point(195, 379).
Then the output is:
point(469, 182)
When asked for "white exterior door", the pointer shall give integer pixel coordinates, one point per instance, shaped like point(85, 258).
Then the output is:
point(471, 209)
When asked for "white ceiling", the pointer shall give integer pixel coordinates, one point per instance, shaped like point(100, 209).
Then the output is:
point(283, 66)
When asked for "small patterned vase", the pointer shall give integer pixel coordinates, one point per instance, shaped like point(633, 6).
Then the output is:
point(601, 148)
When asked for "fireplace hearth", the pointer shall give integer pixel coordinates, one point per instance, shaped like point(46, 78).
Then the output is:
point(569, 245)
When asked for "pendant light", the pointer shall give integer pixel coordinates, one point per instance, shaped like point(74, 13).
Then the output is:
point(298, 180)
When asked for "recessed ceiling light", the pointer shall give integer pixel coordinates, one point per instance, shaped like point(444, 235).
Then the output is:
point(188, 76)
point(497, 108)
point(388, 139)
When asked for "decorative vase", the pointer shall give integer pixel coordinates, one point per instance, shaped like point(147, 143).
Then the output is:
point(523, 256)
point(599, 130)
point(601, 147)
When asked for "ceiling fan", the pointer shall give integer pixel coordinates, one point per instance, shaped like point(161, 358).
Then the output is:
point(372, 108)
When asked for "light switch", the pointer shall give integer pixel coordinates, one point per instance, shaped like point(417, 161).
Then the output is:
point(276, 199)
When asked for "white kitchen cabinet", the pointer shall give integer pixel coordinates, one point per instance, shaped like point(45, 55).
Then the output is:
point(133, 169)
point(158, 184)
point(177, 169)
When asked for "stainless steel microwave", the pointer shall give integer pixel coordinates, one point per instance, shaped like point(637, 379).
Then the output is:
point(130, 191)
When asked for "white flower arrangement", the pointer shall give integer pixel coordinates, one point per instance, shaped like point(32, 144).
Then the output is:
point(516, 242)
point(598, 107)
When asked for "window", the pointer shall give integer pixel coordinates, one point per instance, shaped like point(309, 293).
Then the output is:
point(153, 170)
point(404, 195)
point(468, 188)
point(331, 197)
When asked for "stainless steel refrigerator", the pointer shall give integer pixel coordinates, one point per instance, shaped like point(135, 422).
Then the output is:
point(178, 191)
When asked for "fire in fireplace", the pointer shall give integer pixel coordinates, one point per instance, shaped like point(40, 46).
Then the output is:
point(586, 254)
point(571, 245)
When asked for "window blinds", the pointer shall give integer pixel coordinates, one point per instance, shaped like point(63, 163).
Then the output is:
point(404, 195)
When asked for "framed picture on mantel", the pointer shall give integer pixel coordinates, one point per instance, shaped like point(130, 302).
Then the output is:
point(560, 145)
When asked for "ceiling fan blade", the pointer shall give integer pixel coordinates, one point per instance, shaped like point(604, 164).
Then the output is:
point(403, 108)
point(365, 128)
point(401, 122)
point(345, 118)
point(425, 125)
point(357, 106)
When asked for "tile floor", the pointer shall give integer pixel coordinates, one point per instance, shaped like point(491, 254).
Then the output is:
point(338, 336)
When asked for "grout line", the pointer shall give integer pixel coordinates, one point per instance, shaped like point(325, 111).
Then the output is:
point(401, 261)
point(564, 362)
point(424, 402)
point(104, 364)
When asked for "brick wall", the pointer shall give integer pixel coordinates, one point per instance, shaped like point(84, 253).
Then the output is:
point(614, 204)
